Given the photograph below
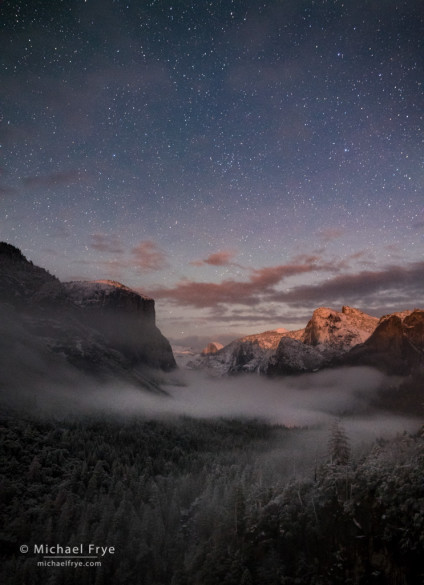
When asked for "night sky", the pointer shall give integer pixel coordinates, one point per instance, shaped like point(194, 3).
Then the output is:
point(243, 162)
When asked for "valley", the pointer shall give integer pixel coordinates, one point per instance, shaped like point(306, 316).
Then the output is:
point(284, 456)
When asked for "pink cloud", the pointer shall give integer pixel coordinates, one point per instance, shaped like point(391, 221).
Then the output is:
point(392, 282)
point(218, 259)
point(208, 294)
point(148, 256)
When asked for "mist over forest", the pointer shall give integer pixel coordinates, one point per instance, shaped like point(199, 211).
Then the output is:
point(236, 480)
point(239, 481)
point(304, 401)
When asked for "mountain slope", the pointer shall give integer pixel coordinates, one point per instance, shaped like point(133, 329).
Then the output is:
point(396, 346)
point(328, 334)
point(54, 332)
point(126, 320)
point(334, 332)
point(294, 357)
point(247, 354)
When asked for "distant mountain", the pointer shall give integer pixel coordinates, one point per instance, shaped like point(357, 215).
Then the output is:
point(396, 345)
point(331, 338)
point(247, 354)
point(211, 348)
point(293, 356)
point(184, 355)
point(52, 331)
point(328, 335)
point(332, 332)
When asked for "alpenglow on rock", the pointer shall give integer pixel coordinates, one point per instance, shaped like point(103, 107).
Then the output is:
point(211, 348)
point(333, 332)
point(247, 354)
point(328, 334)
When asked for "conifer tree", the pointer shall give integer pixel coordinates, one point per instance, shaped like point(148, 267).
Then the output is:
point(338, 445)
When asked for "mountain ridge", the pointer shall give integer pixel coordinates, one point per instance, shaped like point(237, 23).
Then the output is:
point(331, 338)
point(103, 330)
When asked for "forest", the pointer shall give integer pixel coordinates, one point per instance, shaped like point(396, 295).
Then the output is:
point(208, 502)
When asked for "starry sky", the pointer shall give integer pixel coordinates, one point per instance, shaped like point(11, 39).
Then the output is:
point(243, 162)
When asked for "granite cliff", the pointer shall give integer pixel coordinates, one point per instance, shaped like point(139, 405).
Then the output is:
point(328, 335)
point(52, 331)
point(396, 346)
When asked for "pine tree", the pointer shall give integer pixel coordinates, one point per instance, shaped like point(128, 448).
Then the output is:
point(338, 445)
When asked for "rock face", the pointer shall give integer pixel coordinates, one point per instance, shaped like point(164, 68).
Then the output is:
point(247, 354)
point(102, 296)
point(328, 334)
point(294, 357)
point(396, 346)
point(126, 320)
point(333, 332)
point(102, 329)
point(23, 284)
point(211, 348)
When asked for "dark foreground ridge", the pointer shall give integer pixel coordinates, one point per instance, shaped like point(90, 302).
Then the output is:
point(196, 503)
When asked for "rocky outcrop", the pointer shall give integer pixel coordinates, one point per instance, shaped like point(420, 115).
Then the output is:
point(211, 348)
point(328, 334)
point(23, 284)
point(126, 320)
point(294, 357)
point(102, 296)
point(333, 332)
point(103, 329)
point(247, 354)
point(396, 346)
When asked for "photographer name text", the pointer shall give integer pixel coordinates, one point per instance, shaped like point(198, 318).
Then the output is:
point(56, 550)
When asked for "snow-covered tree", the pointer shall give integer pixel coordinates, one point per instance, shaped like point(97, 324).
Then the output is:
point(338, 444)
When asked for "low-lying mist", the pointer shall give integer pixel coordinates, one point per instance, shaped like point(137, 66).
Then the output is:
point(309, 400)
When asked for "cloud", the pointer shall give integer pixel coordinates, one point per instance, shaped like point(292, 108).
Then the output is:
point(222, 258)
point(364, 257)
point(148, 256)
point(106, 243)
point(403, 282)
point(52, 180)
point(401, 285)
point(209, 294)
point(145, 257)
point(264, 316)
